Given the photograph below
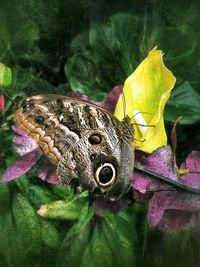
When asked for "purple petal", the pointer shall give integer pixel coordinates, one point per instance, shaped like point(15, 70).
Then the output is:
point(183, 206)
point(193, 164)
point(22, 165)
point(102, 204)
point(111, 100)
point(47, 172)
point(23, 143)
point(160, 161)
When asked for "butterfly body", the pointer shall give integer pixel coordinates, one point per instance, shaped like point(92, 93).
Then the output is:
point(90, 147)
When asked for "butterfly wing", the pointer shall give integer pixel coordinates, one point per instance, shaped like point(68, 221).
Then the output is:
point(71, 132)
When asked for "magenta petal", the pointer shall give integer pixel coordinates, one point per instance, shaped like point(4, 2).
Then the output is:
point(47, 172)
point(164, 204)
point(23, 143)
point(22, 165)
point(111, 100)
point(160, 161)
point(193, 164)
point(102, 204)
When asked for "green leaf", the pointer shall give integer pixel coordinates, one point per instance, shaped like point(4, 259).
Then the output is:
point(26, 230)
point(20, 239)
point(5, 75)
point(120, 237)
point(64, 209)
point(76, 240)
point(50, 235)
point(77, 86)
point(18, 33)
point(40, 195)
point(109, 241)
point(108, 58)
point(184, 102)
point(60, 191)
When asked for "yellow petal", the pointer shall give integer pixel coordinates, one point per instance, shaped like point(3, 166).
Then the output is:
point(146, 92)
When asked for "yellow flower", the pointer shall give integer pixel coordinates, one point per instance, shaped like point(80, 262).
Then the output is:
point(146, 92)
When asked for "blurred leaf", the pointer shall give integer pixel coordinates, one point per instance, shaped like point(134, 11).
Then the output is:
point(184, 102)
point(19, 230)
point(76, 241)
point(182, 35)
point(50, 235)
point(17, 31)
point(109, 55)
point(107, 242)
point(5, 75)
point(77, 86)
point(40, 195)
point(60, 191)
point(26, 230)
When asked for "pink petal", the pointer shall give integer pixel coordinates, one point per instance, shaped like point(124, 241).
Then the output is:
point(47, 172)
point(23, 143)
point(193, 164)
point(163, 203)
point(22, 165)
point(102, 204)
point(160, 161)
point(111, 100)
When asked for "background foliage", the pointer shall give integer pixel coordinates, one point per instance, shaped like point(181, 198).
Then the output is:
point(56, 46)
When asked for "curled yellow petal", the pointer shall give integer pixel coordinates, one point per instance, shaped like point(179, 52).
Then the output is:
point(146, 92)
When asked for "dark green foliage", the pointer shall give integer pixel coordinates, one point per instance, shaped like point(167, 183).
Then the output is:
point(89, 244)
point(87, 46)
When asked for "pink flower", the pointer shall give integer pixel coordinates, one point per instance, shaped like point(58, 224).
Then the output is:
point(172, 207)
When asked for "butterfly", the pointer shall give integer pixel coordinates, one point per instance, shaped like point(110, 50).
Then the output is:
point(91, 149)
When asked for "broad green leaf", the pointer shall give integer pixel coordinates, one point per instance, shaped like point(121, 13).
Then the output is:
point(40, 195)
point(18, 32)
point(107, 56)
point(76, 241)
point(19, 231)
point(60, 191)
point(146, 92)
point(107, 241)
point(184, 102)
point(5, 75)
point(26, 228)
point(50, 235)
point(79, 87)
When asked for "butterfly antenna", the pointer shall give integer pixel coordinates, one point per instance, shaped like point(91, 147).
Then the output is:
point(140, 121)
point(124, 103)
point(140, 112)
point(174, 183)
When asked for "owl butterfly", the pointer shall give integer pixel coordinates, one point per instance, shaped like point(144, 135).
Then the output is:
point(90, 147)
